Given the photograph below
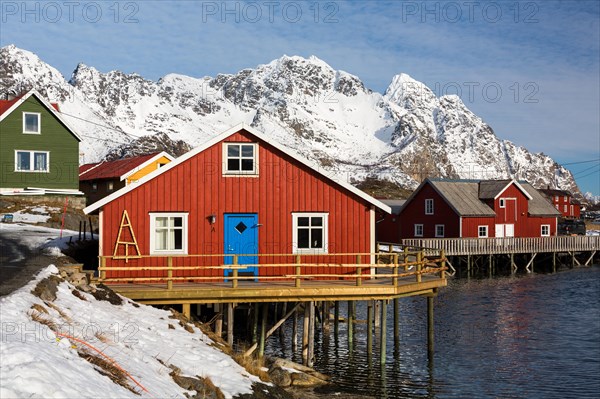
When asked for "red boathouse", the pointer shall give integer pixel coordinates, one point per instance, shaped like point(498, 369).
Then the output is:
point(477, 208)
point(238, 194)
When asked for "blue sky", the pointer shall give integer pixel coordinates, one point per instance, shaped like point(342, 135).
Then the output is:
point(531, 69)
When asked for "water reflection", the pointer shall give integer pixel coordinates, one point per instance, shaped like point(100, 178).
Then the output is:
point(535, 336)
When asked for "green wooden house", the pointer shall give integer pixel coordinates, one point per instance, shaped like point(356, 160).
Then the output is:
point(39, 151)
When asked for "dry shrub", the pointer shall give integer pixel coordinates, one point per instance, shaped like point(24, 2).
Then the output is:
point(39, 308)
point(211, 387)
point(108, 369)
point(62, 314)
point(76, 293)
point(37, 317)
point(252, 365)
point(101, 337)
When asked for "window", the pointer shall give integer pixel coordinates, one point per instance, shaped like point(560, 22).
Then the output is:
point(240, 158)
point(545, 230)
point(429, 206)
point(557, 207)
point(439, 230)
point(110, 186)
point(482, 232)
point(31, 161)
point(565, 208)
point(160, 165)
point(418, 230)
point(556, 198)
point(502, 203)
point(94, 187)
point(566, 199)
point(310, 232)
point(572, 210)
point(168, 233)
point(31, 122)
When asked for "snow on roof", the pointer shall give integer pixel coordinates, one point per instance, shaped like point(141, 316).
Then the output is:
point(221, 137)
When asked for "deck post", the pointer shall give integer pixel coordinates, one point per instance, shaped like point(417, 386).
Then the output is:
point(490, 265)
point(170, 273)
point(305, 326)
point(350, 323)
point(513, 266)
point(255, 323)
point(419, 265)
point(358, 271)
point(553, 262)
point(572, 259)
point(103, 266)
point(383, 331)
point(311, 333)
point(263, 329)
point(443, 264)
point(185, 309)
point(298, 271)
point(395, 278)
point(336, 318)
point(396, 321)
point(468, 265)
point(430, 335)
point(230, 324)
point(219, 320)
point(234, 277)
point(369, 328)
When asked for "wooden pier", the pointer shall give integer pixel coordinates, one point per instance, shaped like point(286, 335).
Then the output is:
point(384, 278)
point(580, 250)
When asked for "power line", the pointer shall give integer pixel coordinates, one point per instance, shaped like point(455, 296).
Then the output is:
point(575, 163)
point(589, 174)
point(585, 170)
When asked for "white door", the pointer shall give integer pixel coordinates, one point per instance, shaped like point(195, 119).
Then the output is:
point(499, 230)
point(509, 230)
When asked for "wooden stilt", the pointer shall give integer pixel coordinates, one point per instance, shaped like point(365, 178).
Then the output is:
point(255, 312)
point(377, 314)
point(369, 328)
point(350, 324)
point(281, 331)
point(396, 321)
point(295, 331)
point(430, 335)
point(553, 262)
point(263, 330)
point(311, 334)
point(490, 265)
point(336, 318)
point(186, 310)
point(383, 332)
point(305, 335)
point(219, 320)
point(272, 329)
point(230, 324)
point(587, 262)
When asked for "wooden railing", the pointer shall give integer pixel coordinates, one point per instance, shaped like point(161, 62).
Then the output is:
point(405, 265)
point(507, 245)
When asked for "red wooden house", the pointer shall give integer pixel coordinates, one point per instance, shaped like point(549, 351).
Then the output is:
point(239, 193)
point(388, 226)
point(473, 208)
point(564, 202)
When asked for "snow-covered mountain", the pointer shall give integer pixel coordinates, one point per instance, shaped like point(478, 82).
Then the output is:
point(402, 136)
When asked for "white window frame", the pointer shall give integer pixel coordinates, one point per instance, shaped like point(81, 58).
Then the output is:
point(547, 226)
point(443, 231)
point(565, 208)
point(429, 201)
point(39, 124)
point(502, 203)
point(486, 235)
point(94, 187)
point(295, 216)
point(250, 173)
point(417, 227)
point(184, 238)
point(32, 161)
point(566, 198)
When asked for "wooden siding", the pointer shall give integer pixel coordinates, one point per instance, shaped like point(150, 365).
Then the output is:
point(54, 138)
point(414, 213)
point(147, 169)
point(198, 187)
point(388, 228)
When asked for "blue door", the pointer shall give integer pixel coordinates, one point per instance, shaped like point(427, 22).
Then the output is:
point(241, 238)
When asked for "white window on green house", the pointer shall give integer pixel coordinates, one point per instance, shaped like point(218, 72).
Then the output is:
point(429, 206)
point(32, 161)
point(439, 230)
point(31, 122)
point(418, 230)
point(240, 158)
point(168, 233)
point(545, 230)
point(482, 232)
point(310, 232)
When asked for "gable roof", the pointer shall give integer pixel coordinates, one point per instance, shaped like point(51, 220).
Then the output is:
point(394, 204)
point(215, 140)
point(465, 197)
point(120, 168)
point(551, 192)
point(9, 106)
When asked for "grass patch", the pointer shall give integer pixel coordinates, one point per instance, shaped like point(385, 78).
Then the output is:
point(252, 365)
point(107, 368)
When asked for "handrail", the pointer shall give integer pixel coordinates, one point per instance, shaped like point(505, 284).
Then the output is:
point(396, 261)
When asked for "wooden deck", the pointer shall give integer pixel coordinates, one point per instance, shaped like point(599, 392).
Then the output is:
point(392, 276)
point(509, 245)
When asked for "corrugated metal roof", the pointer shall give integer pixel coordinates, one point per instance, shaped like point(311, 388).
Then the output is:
point(489, 189)
point(463, 197)
point(112, 169)
point(539, 205)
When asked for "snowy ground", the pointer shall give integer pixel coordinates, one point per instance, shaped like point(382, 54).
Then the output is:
point(37, 362)
point(38, 237)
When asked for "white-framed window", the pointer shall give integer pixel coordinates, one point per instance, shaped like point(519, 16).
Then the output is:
point(566, 198)
point(429, 206)
point(565, 208)
point(439, 230)
point(110, 186)
point(418, 230)
point(32, 161)
point(168, 233)
point(240, 159)
point(94, 187)
point(545, 230)
point(31, 122)
point(482, 231)
point(556, 198)
point(502, 203)
point(572, 210)
point(310, 232)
